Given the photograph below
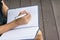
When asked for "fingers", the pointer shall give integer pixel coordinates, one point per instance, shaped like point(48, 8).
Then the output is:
point(23, 12)
point(27, 16)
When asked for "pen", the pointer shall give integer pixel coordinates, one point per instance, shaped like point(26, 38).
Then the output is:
point(20, 16)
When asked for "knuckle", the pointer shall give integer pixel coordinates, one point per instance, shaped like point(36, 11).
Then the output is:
point(26, 21)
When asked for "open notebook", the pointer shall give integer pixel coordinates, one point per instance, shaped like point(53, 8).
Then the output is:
point(27, 31)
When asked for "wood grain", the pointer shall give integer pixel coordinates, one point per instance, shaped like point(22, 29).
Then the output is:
point(56, 8)
point(49, 21)
point(25, 3)
point(12, 3)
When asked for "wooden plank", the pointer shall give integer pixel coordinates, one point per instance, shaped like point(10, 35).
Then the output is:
point(7, 3)
point(56, 8)
point(37, 2)
point(13, 3)
point(25, 3)
point(49, 20)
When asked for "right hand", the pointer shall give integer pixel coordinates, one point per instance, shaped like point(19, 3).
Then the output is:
point(25, 19)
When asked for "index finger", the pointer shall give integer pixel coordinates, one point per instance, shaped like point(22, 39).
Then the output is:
point(23, 12)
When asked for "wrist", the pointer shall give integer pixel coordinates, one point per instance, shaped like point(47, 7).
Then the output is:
point(16, 22)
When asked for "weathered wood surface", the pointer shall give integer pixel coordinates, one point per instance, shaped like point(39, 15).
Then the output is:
point(56, 8)
point(49, 20)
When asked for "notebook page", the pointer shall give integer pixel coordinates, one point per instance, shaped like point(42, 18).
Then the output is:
point(33, 10)
point(17, 34)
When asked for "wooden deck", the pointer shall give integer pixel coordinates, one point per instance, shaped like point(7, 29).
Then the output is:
point(49, 11)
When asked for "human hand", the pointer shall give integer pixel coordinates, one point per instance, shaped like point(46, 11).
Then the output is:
point(25, 19)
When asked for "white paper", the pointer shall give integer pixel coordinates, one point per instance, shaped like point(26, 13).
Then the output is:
point(27, 31)
point(33, 10)
point(17, 34)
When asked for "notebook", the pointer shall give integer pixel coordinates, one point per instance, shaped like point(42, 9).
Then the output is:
point(27, 31)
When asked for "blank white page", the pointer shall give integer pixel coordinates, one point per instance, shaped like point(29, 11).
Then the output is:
point(18, 34)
